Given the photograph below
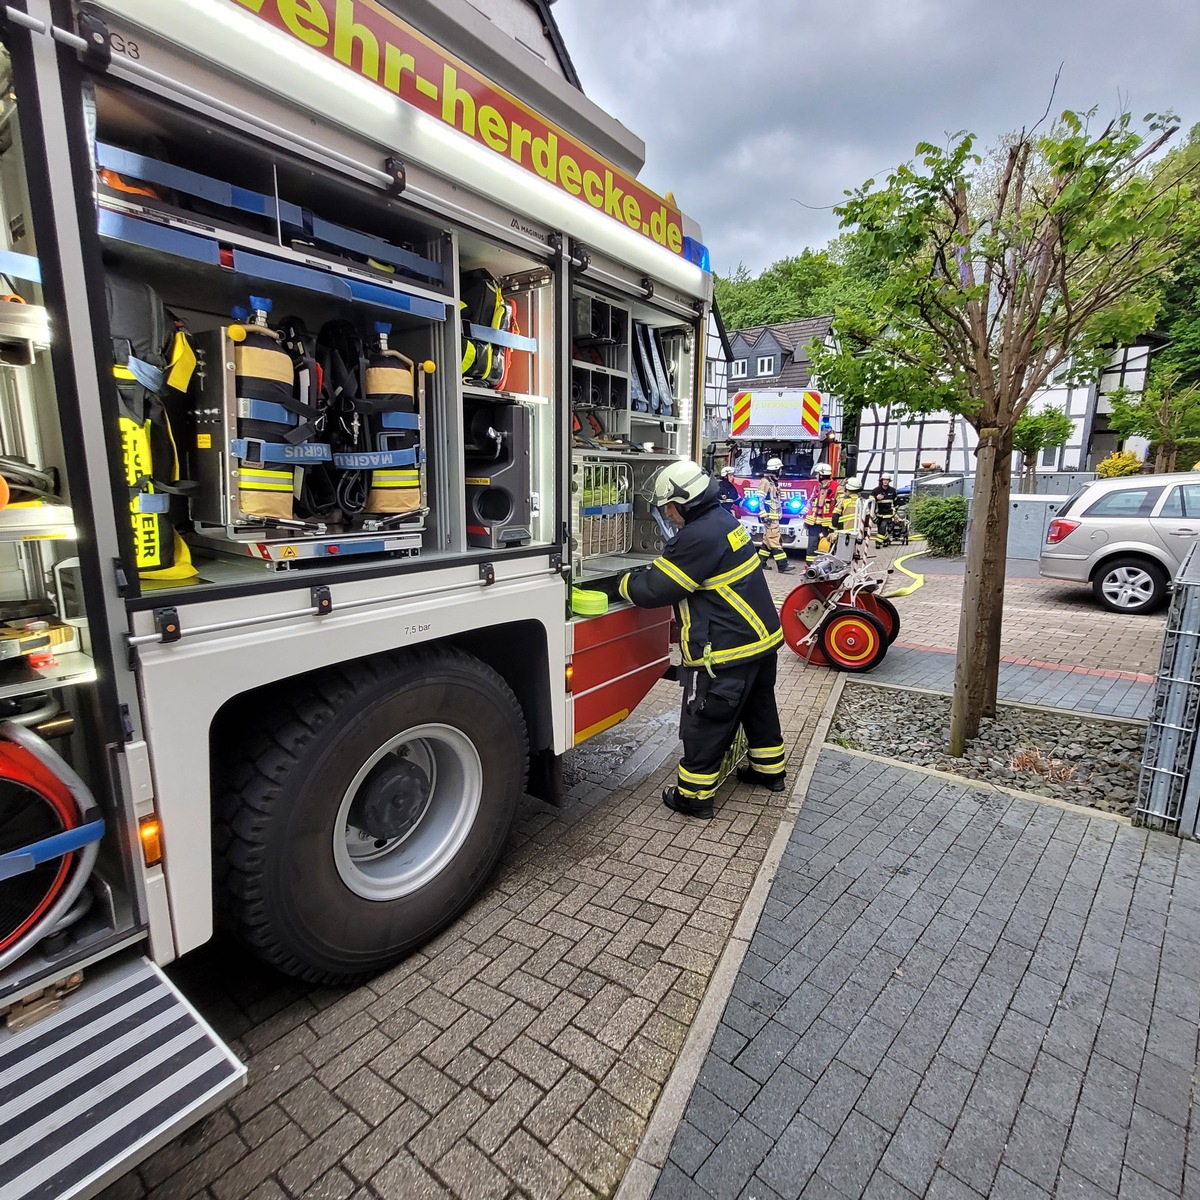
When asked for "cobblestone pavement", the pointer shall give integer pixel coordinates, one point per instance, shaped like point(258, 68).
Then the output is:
point(955, 994)
point(522, 1052)
point(1082, 689)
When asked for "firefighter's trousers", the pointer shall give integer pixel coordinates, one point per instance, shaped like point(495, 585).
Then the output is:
point(883, 530)
point(815, 534)
point(771, 546)
point(713, 707)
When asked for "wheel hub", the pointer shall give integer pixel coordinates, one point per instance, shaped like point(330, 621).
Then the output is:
point(392, 799)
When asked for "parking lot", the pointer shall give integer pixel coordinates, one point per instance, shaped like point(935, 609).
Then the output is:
point(524, 1051)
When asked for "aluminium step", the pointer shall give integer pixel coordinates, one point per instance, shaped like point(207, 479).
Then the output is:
point(90, 1091)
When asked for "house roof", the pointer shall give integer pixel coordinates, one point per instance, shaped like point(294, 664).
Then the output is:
point(791, 335)
point(554, 34)
point(795, 337)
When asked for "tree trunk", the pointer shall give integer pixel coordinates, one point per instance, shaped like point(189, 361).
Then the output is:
point(977, 665)
point(1160, 459)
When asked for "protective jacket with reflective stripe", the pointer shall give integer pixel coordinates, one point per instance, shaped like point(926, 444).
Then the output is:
point(711, 573)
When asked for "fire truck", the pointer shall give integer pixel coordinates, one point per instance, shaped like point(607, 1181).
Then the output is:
point(793, 426)
point(338, 345)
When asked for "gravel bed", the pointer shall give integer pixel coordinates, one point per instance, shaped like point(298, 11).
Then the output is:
point(1082, 759)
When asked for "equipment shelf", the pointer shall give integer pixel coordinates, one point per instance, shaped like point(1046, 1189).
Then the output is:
point(51, 522)
point(18, 678)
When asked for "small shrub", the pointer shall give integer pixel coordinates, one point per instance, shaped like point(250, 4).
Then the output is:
point(1119, 463)
point(942, 522)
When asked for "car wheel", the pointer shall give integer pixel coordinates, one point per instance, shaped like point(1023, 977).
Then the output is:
point(1130, 585)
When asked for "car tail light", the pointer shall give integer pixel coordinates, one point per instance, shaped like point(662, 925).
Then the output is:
point(1059, 529)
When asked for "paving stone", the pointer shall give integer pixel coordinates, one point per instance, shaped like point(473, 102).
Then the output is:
point(975, 1148)
point(853, 1155)
point(1156, 1148)
point(792, 1160)
point(889, 1093)
point(913, 1153)
point(1095, 1149)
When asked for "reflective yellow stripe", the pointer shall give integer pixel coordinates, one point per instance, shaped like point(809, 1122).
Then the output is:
point(694, 777)
point(766, 752)
point(671, 571)
point(695, 793)
point(685, 632)
point(736, 652)
point(395, 479)
point(732, 576)
point(776, 768)
point(123, 373)
point(623, 586)
point(253, 479)
point(743, 609)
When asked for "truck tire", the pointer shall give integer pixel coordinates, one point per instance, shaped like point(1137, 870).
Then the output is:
point(366, 810)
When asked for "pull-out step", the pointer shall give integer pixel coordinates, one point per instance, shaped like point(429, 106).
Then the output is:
point(89, 1092)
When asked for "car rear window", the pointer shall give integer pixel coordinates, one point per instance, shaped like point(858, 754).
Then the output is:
point(1127, 502)
point(1074, 500)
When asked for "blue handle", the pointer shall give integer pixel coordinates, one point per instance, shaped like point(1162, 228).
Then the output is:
point(260, 304)
point(383, 328)
point(240, 312)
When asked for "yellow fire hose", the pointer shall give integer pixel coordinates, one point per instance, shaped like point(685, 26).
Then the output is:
point(918, 580)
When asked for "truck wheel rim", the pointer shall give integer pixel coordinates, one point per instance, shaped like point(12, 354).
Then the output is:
point(437, 825)
point(1128, 587)
point(851, 641)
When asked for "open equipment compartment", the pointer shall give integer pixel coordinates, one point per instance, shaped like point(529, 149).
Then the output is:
point(66, 878)
point(508, 379)
point(312, 431)
point(633, 387)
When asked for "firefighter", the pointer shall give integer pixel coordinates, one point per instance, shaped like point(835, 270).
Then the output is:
point(849, 518)
point(772, 513)
point(729, 496)
point(729, 636)
point(819, 518)
point(883, 503)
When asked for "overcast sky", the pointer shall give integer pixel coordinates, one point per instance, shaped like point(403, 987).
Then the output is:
point(749, 105)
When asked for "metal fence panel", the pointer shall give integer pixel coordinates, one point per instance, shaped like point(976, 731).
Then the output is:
point(1169, 781)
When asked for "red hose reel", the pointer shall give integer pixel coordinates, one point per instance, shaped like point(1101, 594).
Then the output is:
point(50, 830)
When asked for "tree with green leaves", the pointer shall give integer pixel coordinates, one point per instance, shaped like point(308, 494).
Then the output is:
point(1001, 271)
point(1167, 413)
point(1035, 432)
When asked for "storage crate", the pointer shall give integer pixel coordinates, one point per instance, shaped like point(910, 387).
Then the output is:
point(602, 496)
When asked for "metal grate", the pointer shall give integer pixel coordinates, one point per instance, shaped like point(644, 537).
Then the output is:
point(602, 504)
point(1168, 787)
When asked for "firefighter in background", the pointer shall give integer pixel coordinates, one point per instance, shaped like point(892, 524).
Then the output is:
point(883, 504)
point(729, 636)
point(728, 495)
point(850, 519)
point(772, 514)
point(819, 518)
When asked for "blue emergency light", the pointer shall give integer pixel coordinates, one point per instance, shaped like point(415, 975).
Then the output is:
point(752, 502)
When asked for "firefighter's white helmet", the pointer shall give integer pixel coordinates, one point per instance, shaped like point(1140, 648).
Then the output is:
point(854, 484)
point(774, 466)
point(823, 471)
point(678, 483)
point(726, 470)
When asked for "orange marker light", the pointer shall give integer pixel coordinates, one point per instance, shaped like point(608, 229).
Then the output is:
point(570, 675)
point(150, 831)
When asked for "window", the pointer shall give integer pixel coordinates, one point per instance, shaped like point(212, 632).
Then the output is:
point(738, 369)
point(1049, 456)
point(766, 365)
point(1182, 502)
point(710, 372)
point(1128, 502)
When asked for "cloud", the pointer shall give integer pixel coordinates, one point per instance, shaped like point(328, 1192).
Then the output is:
point(747, 106)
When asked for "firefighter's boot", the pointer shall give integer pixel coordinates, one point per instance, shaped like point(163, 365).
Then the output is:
point(701, 809)
point(773, 783)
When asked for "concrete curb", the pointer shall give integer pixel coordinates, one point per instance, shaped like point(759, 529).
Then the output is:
point(1087, 714)
point(981, 785)
point(646, 1165)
